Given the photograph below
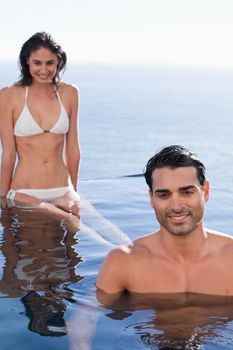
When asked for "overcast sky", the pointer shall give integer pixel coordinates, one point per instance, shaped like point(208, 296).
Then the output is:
point(183, 32)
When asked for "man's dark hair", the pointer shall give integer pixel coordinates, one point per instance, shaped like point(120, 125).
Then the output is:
point(172, 157)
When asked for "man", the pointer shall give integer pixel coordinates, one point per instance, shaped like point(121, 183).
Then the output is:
point(182, 256)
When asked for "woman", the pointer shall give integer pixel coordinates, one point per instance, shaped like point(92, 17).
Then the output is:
point(38, 119)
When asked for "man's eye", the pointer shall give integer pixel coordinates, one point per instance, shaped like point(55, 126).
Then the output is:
point(162, 195)
point(187, 192)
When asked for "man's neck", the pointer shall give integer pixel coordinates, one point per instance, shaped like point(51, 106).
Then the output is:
point(186, 247)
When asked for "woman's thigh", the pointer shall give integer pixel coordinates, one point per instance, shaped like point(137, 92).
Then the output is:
point(69, 202)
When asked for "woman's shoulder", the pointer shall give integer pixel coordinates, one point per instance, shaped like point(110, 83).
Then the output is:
point(67, 88)
point(10, 92)
point(69, 95)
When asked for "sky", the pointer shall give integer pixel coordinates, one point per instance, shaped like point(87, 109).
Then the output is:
point(167, 32)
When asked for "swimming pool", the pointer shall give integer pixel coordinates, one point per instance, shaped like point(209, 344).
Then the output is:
point(48, 295)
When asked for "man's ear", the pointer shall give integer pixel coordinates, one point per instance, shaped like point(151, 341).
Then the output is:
point(206, 190)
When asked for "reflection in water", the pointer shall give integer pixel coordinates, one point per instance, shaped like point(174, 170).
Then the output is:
point(46, 315)
point(184, 321)
point(40, 261)
point(39, 265)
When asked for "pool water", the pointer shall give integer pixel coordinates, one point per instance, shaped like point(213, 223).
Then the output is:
point(48, 295)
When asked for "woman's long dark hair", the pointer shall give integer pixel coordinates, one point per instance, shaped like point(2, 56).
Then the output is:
point(34, 43)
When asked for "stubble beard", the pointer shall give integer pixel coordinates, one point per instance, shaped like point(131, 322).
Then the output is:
point(180, 229)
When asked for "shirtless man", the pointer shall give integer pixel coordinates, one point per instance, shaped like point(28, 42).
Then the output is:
point(183, 256)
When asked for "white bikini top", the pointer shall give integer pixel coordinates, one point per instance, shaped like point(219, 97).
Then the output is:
point(27, 126)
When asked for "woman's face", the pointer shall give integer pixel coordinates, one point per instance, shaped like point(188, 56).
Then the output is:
point(43, 65)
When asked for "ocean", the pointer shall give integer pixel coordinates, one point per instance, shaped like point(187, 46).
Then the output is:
point(47, 288)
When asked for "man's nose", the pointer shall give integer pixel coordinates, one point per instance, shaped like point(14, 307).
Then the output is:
point(176, 203)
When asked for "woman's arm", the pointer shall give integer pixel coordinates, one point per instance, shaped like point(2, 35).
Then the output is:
point(7, 140)
point(72, 140)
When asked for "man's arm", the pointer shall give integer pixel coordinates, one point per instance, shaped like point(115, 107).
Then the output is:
point(112, 278)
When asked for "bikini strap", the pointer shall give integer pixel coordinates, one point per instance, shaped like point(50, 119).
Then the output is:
point(57, 94)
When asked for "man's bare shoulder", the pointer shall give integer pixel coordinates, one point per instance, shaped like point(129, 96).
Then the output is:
point(220, 237)
point(140, 246)
point(222, 242)
point(115, 272)
point(122, 252)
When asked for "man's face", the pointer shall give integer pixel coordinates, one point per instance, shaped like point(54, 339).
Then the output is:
point(178, 199)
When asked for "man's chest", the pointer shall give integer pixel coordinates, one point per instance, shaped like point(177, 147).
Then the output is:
point(158, 276)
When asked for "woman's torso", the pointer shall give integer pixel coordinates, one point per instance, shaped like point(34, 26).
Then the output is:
point(42, 118)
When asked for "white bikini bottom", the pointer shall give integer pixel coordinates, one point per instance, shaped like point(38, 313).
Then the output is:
point(44, 194)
